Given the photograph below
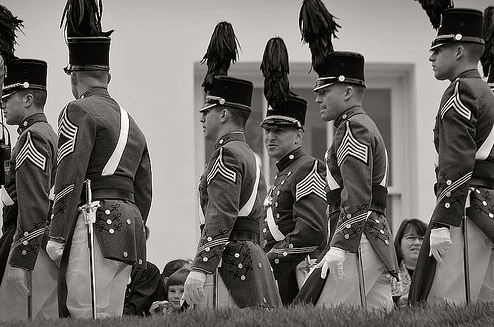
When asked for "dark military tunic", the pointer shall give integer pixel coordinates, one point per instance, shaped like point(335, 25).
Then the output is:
point(464, 140)
point(26, 196)
point(232, 190)
point(357, 179)
point(297, 206)
point(99, 140)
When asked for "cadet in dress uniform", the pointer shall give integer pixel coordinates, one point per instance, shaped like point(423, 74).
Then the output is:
point(33, 164)
point(295, 224)
point(465, 171)
point(230, 268)
point(357, 171)
point(9, 24)
point(98, 141)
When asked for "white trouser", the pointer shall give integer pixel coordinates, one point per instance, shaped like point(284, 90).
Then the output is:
point(347, 291)
point(111, 276)
point(13, 304)
point(449, 281)
point(223, 297)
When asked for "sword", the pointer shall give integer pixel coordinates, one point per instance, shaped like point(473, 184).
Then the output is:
point(89, 213)
point(29, 276)
point(361, 284)
point(466, 267)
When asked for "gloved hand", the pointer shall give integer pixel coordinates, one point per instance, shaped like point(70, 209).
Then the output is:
point(17, 276)
point(194, 287)
point(440, 242)
point(333, 260)
point(54, 250)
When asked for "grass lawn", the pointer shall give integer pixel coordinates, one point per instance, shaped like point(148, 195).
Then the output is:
point(478, 314)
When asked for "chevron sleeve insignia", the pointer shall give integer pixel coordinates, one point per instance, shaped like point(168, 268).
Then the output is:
point(455, 102)
point(350, 146)
point(67, 134)
point(312, 183)
point(219, 167)
point(29, 152)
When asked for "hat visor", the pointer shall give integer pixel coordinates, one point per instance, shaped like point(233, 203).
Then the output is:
point(322, 86)
point(270, 122)
point(208, 106)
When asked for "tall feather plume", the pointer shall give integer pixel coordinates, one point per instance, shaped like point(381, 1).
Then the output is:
point(434, 9)
point(8, 26)
point(83, 18)
point(487, 59)
point(222, 50)
point(317, 26)
point(275, 69)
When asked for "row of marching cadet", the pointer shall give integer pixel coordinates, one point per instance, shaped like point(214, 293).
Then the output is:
point(318, 235)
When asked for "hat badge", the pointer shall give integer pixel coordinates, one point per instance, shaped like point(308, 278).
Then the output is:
point(25, 85)
point(458, 37)
point(341, 78)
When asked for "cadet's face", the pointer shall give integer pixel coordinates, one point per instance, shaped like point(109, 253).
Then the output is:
point(443, 59)
point(210, 120)
point(174, 295)
point(279, 141)
point(331, 101)
point(13, 109)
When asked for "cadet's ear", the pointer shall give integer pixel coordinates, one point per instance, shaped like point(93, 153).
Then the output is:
point(109, 78)
point(225, 114)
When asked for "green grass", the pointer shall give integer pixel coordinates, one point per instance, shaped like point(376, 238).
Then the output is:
point(478, 314)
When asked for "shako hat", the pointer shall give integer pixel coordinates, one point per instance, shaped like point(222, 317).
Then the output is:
point(341, 67)
point(24, 74)
point(459, 25)
point(291, 113)
point(230, 92)
point(89, 46)
point(285, 108)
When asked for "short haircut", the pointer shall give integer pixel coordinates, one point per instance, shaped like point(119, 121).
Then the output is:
point(239, 116)
point(177, 278)
point(417, 225)
point(38, 95)
point(474, 50)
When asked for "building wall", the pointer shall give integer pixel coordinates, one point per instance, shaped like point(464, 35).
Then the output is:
point(154, 48)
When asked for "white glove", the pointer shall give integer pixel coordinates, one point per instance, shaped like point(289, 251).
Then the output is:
point(17, 276)
point(194, 287)
point(440, 242)
point(54, 250)
point(333, 260)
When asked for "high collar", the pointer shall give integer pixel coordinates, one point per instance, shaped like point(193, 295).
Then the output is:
point(289, 158)
point(93, 91)
point(38, 117)
point(347, 114)
point(232, 136)
point(471, 73)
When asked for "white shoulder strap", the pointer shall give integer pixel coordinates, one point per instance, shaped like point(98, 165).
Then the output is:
point(112, 163)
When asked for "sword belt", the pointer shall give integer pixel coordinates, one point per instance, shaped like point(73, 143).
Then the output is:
point(111, 187)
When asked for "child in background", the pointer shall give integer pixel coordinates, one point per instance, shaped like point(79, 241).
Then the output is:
point(174, 289)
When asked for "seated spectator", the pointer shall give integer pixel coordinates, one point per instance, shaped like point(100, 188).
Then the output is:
point(169, 269)
point(408, 242)
point(174, 288)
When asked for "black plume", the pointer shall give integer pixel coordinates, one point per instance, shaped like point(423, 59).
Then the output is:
point(275, 69)
point(8, 25)
point(317, 26)
point(434, 9)
point(83, 18)
point(487, 59)
point(222, 50)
